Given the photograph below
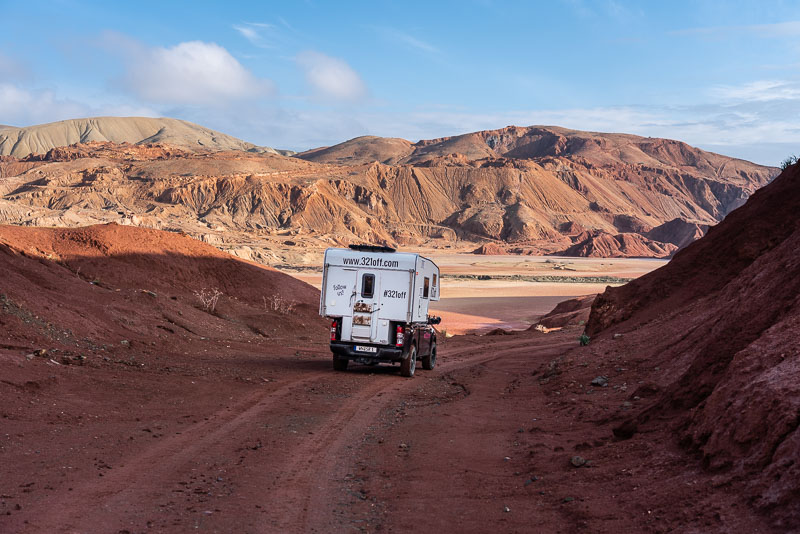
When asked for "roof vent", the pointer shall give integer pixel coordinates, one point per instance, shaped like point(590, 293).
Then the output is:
point(372, 248)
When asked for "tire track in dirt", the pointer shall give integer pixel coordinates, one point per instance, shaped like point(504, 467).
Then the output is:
point(305, 474)
point(137, 477)
point(318, 467)
point(436, 466)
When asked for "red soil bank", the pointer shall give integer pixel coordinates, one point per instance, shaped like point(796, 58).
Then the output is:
point(109, 283)
point(719, 326)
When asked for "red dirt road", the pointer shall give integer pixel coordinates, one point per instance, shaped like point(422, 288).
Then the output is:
point(279, 442)
point(145, 410)
point(173, 451)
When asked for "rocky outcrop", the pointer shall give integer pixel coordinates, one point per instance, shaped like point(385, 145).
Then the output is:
point(570, 312)
point(678, 232)
point(605, 245)
point(490, 249)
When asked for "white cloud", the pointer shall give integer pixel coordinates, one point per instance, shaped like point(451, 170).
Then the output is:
point(764, 131)
point(759, 132)
point(25, 107)
point(579, 7)
point(331, 77)
point(790, 28)
point(252, 31)
point(192, 73)
point(416, 43)
point(251, 34)
point(408, 40)
point(758, 91)
point(10, 69)
point(21, 107)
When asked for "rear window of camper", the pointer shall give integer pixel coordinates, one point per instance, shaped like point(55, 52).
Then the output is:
point(368, 286)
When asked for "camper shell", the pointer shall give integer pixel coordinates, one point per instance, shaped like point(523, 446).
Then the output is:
point(377, 300)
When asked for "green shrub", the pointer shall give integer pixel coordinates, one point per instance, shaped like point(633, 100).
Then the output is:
point(584, 340)
point(791, 160)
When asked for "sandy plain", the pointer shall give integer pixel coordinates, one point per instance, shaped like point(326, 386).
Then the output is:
point(481, 293)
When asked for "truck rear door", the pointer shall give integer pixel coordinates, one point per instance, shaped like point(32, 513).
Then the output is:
point(340, 291)
point(366, 306)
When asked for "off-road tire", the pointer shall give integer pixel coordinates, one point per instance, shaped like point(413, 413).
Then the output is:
point(429, 361)
point(408, 365)
point(340, 364)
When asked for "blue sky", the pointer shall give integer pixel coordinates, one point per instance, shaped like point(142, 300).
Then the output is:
point(724, 76)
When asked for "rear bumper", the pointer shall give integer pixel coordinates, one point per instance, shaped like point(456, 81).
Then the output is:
point(346, 350)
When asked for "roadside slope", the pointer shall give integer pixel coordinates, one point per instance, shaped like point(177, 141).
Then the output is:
point(719, 323)
point(81, 288)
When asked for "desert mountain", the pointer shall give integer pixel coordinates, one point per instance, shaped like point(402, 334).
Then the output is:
point(632, 183)
point(39, 139)
point(514, 142)
point(527, 190)
point(718, 324)
point(366, 149)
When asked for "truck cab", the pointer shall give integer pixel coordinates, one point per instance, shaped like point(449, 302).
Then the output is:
point(377, 300)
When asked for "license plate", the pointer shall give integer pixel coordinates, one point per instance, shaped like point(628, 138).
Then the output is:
point(364, 348)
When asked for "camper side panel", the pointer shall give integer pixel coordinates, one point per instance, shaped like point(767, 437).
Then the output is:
point(395, 295)
point(424, 289)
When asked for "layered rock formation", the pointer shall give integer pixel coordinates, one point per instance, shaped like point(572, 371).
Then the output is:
point(526, 190)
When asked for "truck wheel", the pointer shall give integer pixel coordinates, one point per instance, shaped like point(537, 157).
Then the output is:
point(340, 364)
point(408, 365)
point(429, 361)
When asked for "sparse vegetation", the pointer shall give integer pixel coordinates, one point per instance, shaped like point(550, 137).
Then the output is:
point(279, 304)
point(584, 340)
point(543, 278)
point(443, 334)
point(208, 298)
point(791, 160)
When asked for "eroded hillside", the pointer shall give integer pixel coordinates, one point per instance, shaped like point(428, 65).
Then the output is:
point(527, 190)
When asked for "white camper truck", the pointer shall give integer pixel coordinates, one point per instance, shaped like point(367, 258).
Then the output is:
point(378, 301)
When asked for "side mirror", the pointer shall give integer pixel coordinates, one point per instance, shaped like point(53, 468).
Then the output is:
point(433, 319)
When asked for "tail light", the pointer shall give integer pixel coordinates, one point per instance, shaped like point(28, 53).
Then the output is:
point(333, 330)
point(401, 335)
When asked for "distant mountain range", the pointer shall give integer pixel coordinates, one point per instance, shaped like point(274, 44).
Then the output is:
point(531, 190)
point(20, 142)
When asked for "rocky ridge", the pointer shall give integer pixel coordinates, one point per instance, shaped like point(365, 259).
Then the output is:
point(522, 190)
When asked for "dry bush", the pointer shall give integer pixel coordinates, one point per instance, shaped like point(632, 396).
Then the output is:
point(279, 304)
point(208, 298)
